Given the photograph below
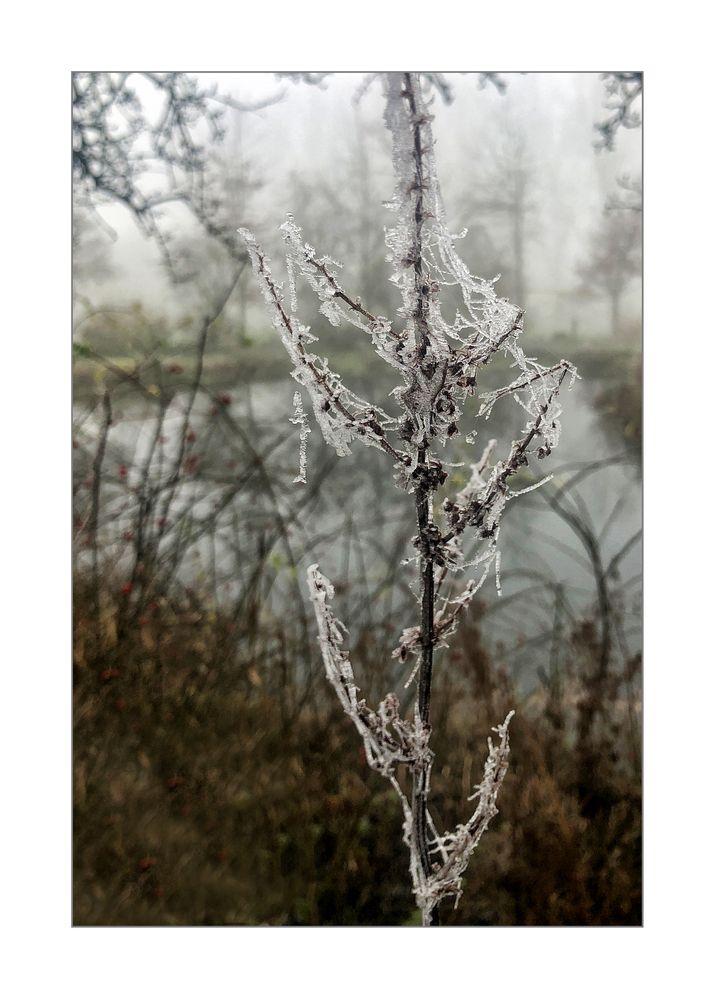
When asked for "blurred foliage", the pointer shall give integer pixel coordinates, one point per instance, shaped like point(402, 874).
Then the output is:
point(131, 331)
point(621, 404)
point(206, 793)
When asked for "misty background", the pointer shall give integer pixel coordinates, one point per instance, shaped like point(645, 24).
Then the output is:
point(520, 160)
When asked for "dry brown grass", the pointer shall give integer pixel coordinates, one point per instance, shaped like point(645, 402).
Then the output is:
point(210, 791)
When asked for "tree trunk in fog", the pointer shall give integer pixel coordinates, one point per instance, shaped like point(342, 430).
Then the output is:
point(513, 203)
point(518, 249)
point(242, 304)
point(615, 314)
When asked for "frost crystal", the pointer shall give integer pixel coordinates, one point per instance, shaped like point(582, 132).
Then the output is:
point(300, 419)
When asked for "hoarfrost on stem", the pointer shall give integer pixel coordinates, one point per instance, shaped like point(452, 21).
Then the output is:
point(439, 361)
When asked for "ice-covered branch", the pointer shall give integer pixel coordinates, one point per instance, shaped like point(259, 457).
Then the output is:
point(526, 381)
point(336, 305)
point(388, 739)
point(458, 846)
point(439, 360)
point(341, 414)
point(445, 624)
point(482, 507)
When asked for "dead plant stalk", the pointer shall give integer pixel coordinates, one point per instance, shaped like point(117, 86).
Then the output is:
point(439, 363)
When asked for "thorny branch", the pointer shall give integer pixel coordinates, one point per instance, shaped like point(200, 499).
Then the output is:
point(439, 362)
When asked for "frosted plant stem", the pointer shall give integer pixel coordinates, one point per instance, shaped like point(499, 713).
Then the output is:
point(439, 362)
point(423, 503)
point(420, 778)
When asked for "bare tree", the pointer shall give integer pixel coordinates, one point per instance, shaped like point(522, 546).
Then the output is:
point(503, 187)
point(205, 264)
point(140, 140)
point(345, 205)
point(439, 364)
point(628, 197)
point(91, 253)
point(614, 260)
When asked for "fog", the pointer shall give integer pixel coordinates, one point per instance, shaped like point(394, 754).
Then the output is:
point(325, 156)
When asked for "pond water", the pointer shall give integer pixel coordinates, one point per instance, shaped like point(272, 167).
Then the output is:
point(353, 521)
